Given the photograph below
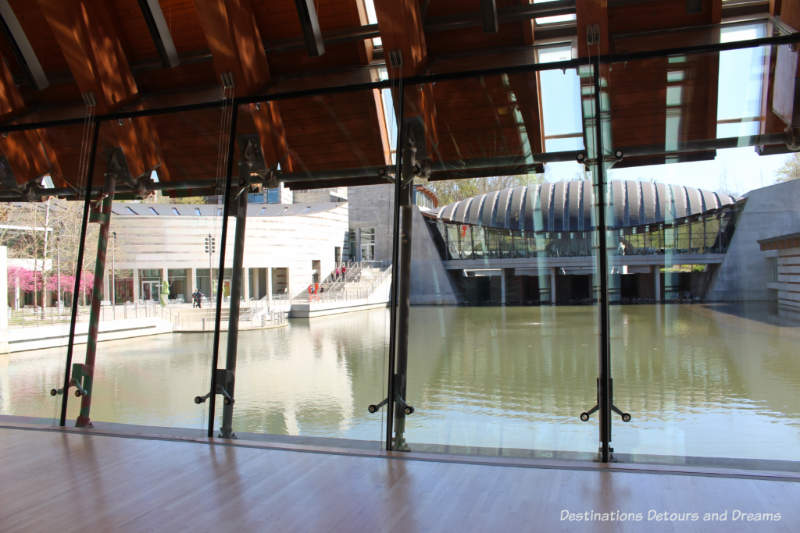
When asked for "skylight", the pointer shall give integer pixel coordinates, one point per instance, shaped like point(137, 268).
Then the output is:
point(372, 18)
point(561, 106)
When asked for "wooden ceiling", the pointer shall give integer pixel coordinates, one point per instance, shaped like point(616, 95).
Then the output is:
point(129, 55)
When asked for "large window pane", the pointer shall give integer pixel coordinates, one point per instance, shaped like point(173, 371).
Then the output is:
point(39, 241)
point(503, 330)
point(703, 321)
point(313, 331)
point(155, 350)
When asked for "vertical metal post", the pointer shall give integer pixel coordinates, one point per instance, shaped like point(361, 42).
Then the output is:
point(113, 278)
point(58, 276)
point(403, 306)
point(400, 99)
point(226, 431)
point(103, 216)
point(78, 269)
point(210, 267)
point(604, 380)
point(226, 202)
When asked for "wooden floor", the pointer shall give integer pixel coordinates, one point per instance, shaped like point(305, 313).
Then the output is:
point(57, 481)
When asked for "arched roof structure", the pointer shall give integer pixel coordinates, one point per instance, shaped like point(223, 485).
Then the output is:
point(568, 206)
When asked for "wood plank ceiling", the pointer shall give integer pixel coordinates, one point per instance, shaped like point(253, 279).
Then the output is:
point(140, 54)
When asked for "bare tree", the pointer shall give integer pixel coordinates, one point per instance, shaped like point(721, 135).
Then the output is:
point(449, 191)
point(790, 170)
point(23, 227)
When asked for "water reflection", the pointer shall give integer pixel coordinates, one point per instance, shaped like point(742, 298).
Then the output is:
point(699, 380)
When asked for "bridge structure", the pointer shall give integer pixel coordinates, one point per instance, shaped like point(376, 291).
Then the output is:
point(540, 241)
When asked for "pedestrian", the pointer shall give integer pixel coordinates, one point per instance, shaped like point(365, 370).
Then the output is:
point(197, 296)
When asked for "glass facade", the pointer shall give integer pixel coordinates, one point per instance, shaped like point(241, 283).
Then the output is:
point(590, 272)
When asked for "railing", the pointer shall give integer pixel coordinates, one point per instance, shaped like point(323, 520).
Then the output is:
point(359, 282)
point(32, 317)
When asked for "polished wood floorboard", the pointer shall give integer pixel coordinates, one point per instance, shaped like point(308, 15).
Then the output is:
point(55, 481)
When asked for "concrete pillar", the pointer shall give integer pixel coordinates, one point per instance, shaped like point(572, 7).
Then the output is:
point(106, 286)
point(657, 281)
point(553, 286)
point(269, 284)
point(3, 299)
point(246, 284)
point(189, 285)
point(136, 287)
point(256, 283)
point(503, 286)
point(192, 282)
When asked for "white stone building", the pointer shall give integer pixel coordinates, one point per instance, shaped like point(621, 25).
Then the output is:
point(287, 247)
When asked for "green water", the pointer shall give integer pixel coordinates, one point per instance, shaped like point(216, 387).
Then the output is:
point(698, 380)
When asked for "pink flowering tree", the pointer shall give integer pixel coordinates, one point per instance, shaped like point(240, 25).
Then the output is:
point(20, 278)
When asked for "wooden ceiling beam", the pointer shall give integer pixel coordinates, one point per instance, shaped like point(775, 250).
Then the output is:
point(235, 43)
point(86, 33)
point(11, 101)
point(29, 154)
point(592, 23)
point(401, 27)
point(237, 48)
point(403, 36)
point(272, 135)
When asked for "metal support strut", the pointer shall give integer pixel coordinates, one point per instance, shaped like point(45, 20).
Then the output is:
point(397, 393)
point(83, 374)
point(223, 386)
point(251, 162)
point(626, 417)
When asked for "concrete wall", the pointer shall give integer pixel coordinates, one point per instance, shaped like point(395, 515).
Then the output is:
point(291, 240)
point(318, 196)
point(787, 283)
point(372, 206)
point(430, 283)
point(3, 299)
point(745, 272)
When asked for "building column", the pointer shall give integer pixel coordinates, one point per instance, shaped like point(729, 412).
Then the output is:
point(502, 286)
point(188, 284)
point(269, 284)
point(656, 281)
point(192, 281)
point(246, 284)
point(106, 287)
point(256, 283)
point(553, 286)
point(136, 284)
point(3, 300)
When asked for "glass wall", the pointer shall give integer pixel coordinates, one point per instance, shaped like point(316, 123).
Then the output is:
point(313, 330)
point(577, 231)
point(39, 242)
point(503, 335)
point(155, 349)
point(703, 355)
